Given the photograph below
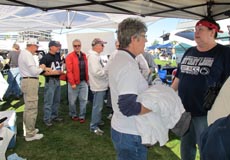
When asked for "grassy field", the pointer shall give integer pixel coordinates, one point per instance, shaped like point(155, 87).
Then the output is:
point(164, 63)
point(71, 140)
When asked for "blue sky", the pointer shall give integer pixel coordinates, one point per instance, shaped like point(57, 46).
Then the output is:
point(165, 25)
point(155, 29)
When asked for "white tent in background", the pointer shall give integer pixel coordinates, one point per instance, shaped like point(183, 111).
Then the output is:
point(15, 18)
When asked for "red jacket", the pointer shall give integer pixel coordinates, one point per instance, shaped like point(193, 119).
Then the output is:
point(73, 70)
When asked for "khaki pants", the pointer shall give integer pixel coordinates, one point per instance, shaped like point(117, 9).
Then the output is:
point(30, 92)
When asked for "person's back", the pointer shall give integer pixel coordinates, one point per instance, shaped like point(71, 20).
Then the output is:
point(150, 60)
point(215, 141)
point(13, 56)
point(143, 65)
point(14, 78)
point(152, 66)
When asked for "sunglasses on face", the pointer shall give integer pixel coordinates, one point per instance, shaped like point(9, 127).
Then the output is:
point(75, 46)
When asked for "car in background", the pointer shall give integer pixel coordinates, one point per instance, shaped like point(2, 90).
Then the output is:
point(3, 53)
point(3, 67)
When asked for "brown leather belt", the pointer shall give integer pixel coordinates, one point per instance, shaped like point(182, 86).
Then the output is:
point(29, 77)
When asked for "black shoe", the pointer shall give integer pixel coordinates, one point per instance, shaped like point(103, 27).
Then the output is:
point(101, 123)
point(48, 124)
point(58, 119)
point(17, 97)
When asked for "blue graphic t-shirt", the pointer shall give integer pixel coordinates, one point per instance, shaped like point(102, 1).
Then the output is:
point(198, 71)
point(53, 62)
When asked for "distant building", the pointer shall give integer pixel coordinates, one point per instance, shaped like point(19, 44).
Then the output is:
point(40, 35)
point(22, 36)
point(6, 36)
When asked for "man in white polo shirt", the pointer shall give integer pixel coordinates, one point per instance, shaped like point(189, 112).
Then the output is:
point(29, 72)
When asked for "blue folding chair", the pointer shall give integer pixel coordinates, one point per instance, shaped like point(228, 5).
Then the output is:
point(163, 76)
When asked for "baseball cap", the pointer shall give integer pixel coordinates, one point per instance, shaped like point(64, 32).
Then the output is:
point(210, 24)
point(98, 41)
point(33, 41)
point(54, 43)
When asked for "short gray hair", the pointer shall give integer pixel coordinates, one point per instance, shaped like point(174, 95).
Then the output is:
point(127, 28)
point(76, 40)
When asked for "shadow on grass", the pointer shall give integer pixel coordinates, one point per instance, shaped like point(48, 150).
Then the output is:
point(70, 140)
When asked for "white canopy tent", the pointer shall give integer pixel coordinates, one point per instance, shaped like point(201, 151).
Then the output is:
point(14, 18)
point(71, 15)
point(20, 15)
point(196, 9)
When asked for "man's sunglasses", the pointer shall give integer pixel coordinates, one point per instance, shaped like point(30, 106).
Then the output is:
point(75, 46)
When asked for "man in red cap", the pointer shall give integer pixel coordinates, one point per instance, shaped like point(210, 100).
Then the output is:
point(203, 69)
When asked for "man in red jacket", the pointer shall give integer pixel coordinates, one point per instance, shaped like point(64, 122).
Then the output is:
point(77, 75)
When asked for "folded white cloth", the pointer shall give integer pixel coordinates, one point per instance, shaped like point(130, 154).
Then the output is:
point(166, 109)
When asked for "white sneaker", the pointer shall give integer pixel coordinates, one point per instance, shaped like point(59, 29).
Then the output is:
point(35, 137)
point(36, 131)
point(98, 131)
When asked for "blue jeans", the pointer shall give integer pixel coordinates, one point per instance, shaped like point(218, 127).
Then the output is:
point(14, 81)
point(98, 102)
point(192, 137)
point(128, 146)
point(52, 93)
point(81, 92)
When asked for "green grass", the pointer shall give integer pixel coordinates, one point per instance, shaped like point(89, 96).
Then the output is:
point(164, 63)
point(71, 140)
